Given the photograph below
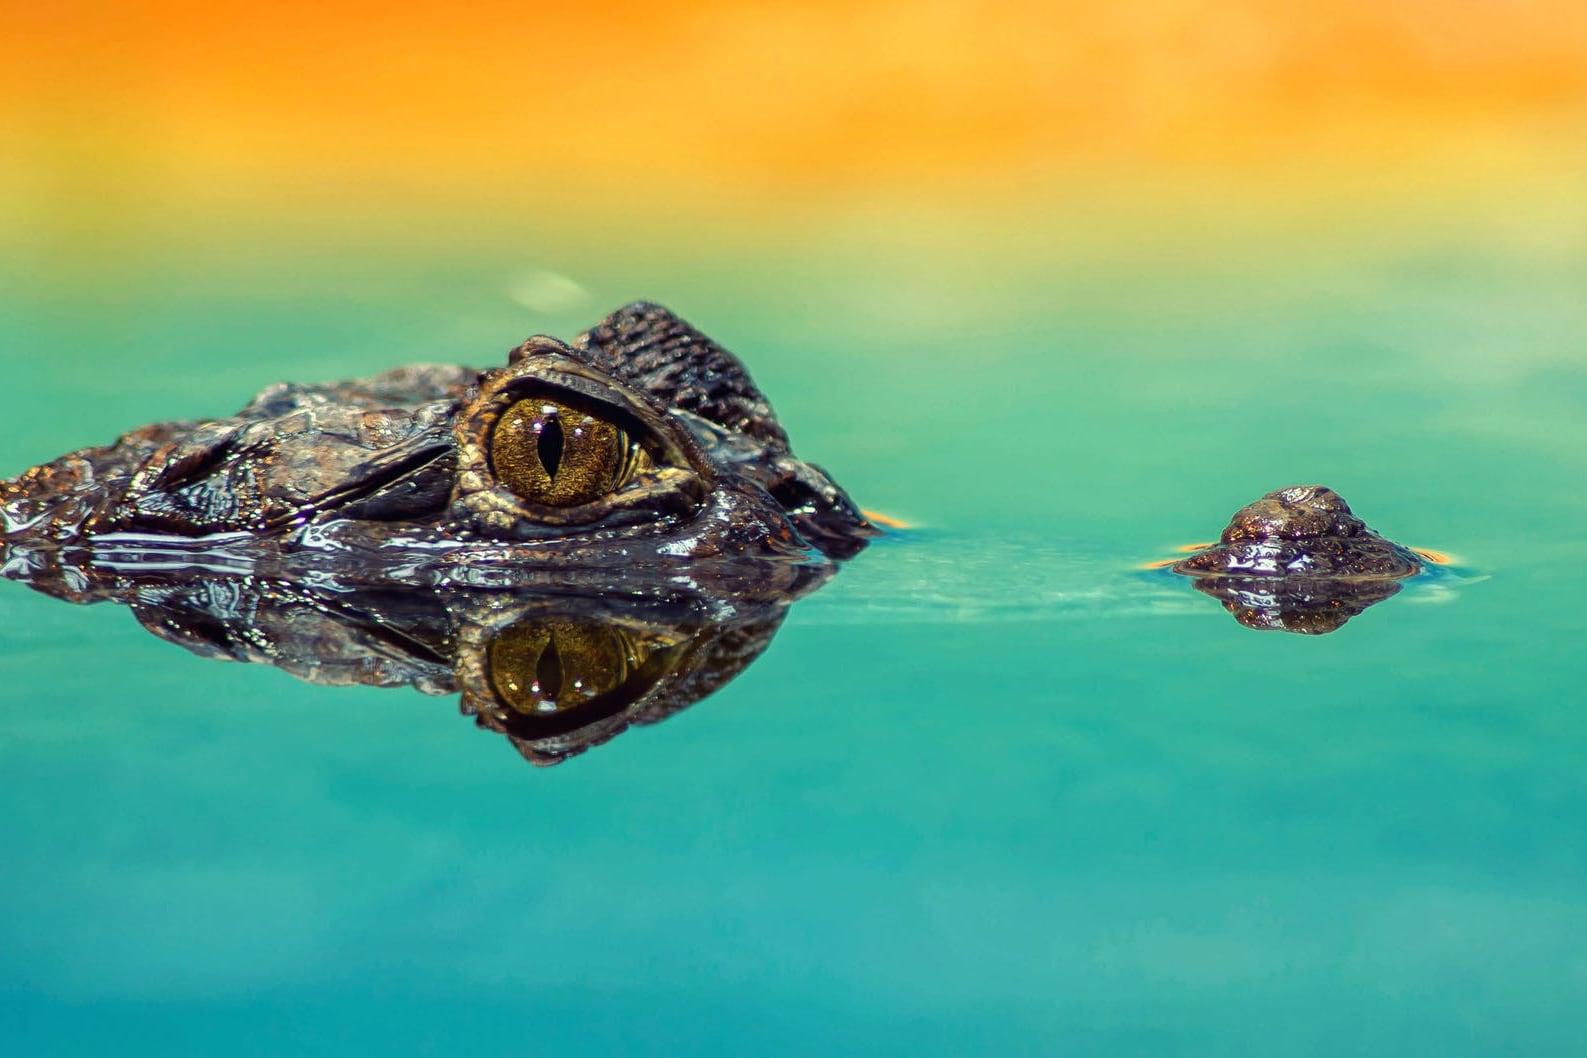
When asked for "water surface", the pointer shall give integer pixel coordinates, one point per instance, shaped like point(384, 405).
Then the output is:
point(993, 790)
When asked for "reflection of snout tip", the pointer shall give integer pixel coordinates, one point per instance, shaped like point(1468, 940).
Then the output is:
point(1437, 558)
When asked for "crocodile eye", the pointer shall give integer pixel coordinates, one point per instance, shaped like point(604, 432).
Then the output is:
point(560, 455)
point(546, 667)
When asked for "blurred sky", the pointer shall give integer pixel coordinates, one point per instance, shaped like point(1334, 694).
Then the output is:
point(364, 116)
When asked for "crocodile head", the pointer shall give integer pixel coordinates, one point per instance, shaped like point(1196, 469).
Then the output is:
point(639, 444)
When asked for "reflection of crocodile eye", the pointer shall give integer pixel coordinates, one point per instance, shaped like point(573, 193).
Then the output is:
point(543, 667)
point(559, 455)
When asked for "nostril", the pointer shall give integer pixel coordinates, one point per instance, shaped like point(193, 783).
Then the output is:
point(1298, 494)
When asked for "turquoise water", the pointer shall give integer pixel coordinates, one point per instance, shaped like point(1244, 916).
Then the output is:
point(991, 791)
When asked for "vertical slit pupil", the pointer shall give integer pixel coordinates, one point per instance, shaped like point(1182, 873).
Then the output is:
point(548, 672)
point(549, 445)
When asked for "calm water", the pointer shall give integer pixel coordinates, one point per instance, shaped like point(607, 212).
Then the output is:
point(991, 791)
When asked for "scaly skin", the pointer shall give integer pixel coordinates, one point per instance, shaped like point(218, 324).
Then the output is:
point(1297, 560)
point(390, 479)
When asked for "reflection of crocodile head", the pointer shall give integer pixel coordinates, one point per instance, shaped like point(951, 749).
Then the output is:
point(641, 443)
point(555, 673)
point(1297, 560)
point(599, 533)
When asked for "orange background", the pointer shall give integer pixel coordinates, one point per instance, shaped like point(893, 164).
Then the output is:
point(260, 111)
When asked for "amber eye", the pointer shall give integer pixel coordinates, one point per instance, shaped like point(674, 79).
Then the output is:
point(551, 666)
point(559, 455)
